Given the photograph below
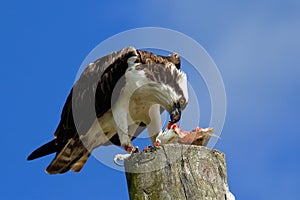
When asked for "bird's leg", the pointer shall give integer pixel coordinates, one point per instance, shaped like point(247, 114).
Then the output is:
point(121, 157)
point(120, 115)
point(124, 134)
point(131, 131)
point(128, 147)
point(126, 143)
point(155, 126)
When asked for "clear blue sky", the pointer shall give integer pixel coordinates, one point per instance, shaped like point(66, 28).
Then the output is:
point(255, 44)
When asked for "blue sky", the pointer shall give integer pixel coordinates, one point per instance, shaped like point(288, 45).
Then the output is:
point(255, 45)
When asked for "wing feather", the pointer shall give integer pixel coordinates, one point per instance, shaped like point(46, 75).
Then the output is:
point(91, 95)
point(90, 98)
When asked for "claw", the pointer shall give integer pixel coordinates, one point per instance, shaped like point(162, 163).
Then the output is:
point(147, 148)
point(157, 143)
point(135, 149)
point(128, 147)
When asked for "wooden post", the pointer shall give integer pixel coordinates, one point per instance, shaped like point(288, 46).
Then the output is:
point(176, 171)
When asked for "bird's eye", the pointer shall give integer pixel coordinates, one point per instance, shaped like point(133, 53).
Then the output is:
point(181, 101)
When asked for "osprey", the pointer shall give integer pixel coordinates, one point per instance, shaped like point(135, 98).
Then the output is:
point(115, 98)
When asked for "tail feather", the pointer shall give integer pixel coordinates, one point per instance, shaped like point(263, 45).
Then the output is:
point(77, 166)
point(44, 150)
point(72, 157)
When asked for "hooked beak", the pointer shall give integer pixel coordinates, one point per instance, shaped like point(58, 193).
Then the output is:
point(175, 114)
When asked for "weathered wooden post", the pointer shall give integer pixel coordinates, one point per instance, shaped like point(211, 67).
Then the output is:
point(176, 171)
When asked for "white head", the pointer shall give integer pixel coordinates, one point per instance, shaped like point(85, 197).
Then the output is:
point(168, 88)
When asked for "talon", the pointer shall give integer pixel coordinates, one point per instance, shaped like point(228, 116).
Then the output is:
point(136, 149)
point(157, 143)
point(129, 148)
point(147, 148)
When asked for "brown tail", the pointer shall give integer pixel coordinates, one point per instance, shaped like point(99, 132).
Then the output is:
point(72, 157)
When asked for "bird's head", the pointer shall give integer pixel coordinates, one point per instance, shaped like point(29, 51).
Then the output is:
point(173, 91)
point(166, 84)
point(179, 102)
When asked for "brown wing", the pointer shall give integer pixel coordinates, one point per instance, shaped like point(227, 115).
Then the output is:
point(91, 95)
point(146, 57)
point(89, 98)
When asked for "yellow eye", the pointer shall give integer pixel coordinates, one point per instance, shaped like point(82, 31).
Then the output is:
point(182, 101)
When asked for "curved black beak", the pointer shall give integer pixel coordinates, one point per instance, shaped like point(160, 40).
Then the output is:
point(175, 114)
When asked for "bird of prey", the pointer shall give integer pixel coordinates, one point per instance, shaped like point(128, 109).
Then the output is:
point(115, 98)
